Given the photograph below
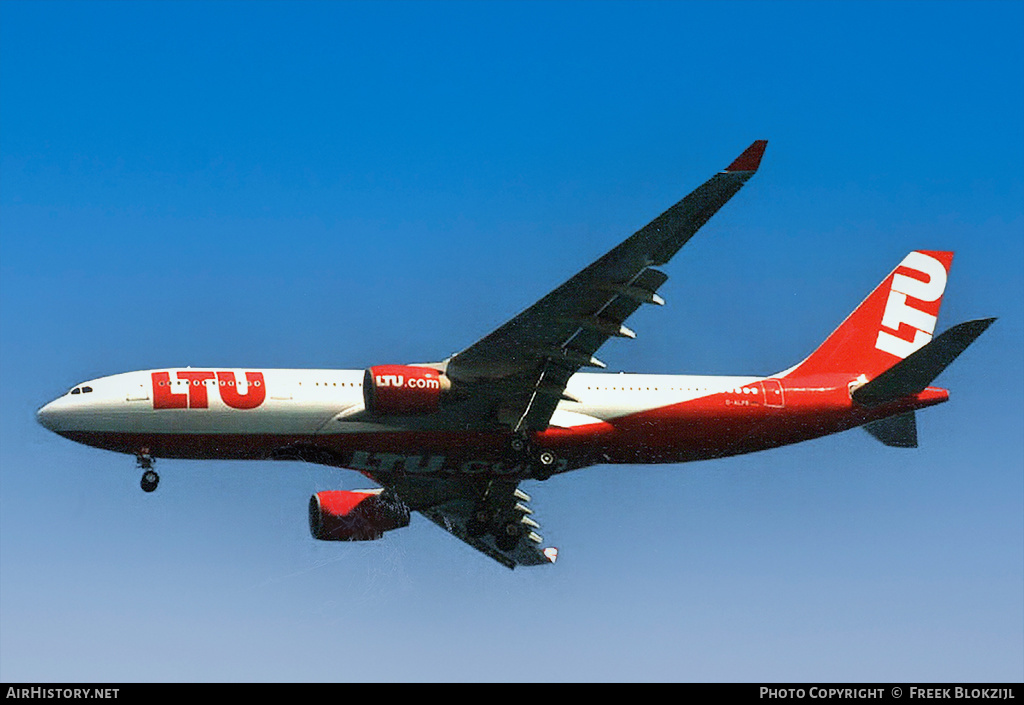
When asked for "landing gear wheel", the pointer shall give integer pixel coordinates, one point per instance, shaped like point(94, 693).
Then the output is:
point(145, 461)
point(518, 445)
point(149, 480)
point(507, 539)
point(544, 465)
point(546, 458)
point(477, 526)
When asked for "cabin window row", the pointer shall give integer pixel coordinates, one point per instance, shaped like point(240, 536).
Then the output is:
point(229, 383)
point(648, 389)
point(197, 382)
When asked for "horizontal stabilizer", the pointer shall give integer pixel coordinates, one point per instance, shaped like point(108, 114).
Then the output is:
point(898, 431)
point(917, 370)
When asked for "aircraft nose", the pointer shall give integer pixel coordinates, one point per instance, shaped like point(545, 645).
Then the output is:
point(47, 416)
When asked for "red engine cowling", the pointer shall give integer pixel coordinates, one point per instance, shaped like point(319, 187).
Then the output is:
point(403, 389)
point(360, 515)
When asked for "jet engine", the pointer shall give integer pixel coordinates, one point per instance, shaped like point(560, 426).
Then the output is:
point(403, 389)
point(359, 515)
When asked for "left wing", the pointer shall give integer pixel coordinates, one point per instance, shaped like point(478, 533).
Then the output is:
point(516, 376)
point(471, 510)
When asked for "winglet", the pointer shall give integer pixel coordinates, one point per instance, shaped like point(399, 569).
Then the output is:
point(750, 159)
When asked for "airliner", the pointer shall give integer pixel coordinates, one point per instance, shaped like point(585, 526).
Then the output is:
point(455, 439)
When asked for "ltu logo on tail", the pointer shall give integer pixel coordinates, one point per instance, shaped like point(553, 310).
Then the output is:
point(898, 311)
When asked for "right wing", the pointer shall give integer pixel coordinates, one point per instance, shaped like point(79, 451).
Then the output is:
point(516, 375)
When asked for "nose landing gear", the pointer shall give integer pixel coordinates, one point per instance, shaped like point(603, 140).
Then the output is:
point(145, 462)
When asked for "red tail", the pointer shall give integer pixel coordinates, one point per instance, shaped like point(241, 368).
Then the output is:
point(896, 319)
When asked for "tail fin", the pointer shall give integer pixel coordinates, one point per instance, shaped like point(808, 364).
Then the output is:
point(898, 431)
point(896, 319)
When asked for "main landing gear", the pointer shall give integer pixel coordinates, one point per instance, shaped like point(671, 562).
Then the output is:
point(506, 535)
point(145, 462)
point(540, 460)
point(507, 519)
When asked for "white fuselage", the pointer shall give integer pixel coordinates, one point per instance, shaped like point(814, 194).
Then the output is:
point(311, 402)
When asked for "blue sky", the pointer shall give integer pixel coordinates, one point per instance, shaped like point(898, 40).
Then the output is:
point(345, 184)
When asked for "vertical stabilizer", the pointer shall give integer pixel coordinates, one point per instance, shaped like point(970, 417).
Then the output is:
point(896, 319)
point(898, 431)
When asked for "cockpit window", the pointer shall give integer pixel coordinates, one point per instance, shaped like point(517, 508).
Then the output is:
point(81, 390)
point(76, 390)
point(86, 390)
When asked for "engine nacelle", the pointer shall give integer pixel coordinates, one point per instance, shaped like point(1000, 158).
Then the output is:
point(360, 515)
point(390, 390)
